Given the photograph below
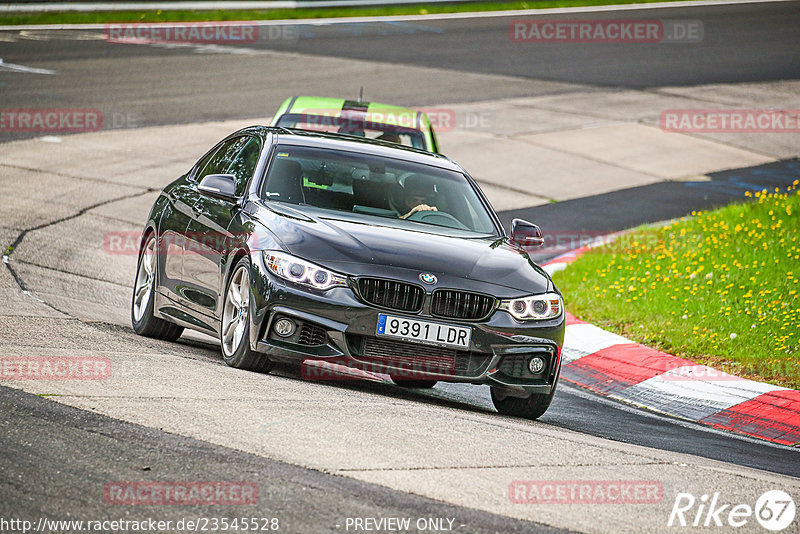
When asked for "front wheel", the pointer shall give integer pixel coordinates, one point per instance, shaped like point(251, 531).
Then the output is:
point(530, 407)
point(235, 327)
point(144, 321)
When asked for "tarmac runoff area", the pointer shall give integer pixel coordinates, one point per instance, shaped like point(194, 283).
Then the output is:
point(64, 195)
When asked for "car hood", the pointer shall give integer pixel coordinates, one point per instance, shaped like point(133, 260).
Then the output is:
point(356, 248)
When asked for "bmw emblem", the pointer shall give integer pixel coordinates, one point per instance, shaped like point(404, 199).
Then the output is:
point(428, 278)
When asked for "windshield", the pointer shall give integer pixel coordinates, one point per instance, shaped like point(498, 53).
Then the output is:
point(358, 127)
point(412, 194)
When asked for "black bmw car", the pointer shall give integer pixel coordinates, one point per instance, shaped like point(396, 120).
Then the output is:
point(293, 246)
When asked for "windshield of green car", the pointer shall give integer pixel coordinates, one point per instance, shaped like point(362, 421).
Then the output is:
point(354, 185)
point(355, 126)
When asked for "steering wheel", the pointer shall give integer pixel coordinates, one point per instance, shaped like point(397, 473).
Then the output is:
point(439, 218)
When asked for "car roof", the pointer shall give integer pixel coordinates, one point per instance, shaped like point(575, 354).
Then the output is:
point(375, 111)
point(355, 144)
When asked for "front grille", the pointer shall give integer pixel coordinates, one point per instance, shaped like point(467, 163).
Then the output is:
point(391, 294)
point(461, 304)
point(312, 335)
point(412, 357)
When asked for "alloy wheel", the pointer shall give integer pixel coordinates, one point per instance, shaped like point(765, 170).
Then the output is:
point(236, 311)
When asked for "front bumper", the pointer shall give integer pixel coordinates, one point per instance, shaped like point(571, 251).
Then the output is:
point(338, 327)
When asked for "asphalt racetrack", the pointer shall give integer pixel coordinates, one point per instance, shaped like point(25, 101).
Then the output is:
point(322, 453)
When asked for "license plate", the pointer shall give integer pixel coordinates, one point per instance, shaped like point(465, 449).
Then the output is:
point(424, 331)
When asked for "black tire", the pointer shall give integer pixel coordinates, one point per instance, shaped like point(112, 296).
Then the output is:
point(410, 383)
point(531, 407)
point(238, 354)
point(142, 305)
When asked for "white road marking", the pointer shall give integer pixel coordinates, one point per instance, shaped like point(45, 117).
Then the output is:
point(22, 68)
point(31, 35)
point(31, 295)
point(60, 35)
point(200, 48)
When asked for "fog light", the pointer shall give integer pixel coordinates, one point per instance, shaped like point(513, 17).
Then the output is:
point(536, 365)
point(284, 327)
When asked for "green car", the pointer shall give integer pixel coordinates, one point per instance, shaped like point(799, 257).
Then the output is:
point(395, 124)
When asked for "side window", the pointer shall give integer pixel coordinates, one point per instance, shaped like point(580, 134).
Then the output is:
point(244, 165)
point(222, 158)
point(200, 165)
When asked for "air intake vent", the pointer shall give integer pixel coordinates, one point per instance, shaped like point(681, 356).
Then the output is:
point(391, 294)
point(461, 304)
point(312, 335)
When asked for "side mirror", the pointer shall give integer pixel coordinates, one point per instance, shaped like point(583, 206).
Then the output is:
point(526, 234)
point(219, 185)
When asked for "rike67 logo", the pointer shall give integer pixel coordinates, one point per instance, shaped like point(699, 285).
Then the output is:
point(774, 510)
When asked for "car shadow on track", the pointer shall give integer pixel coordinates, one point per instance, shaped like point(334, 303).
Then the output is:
point(464, 397)
point(196, 346)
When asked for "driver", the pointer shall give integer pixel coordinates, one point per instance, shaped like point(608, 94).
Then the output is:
point(418, 195)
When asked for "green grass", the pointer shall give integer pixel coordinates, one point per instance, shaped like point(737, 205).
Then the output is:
point(280, 14)
point(720, 287)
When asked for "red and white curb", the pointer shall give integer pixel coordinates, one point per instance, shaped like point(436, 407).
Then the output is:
point(619, 368)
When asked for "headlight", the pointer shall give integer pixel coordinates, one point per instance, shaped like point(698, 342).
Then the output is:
point(302, 272)
point(535, 307)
